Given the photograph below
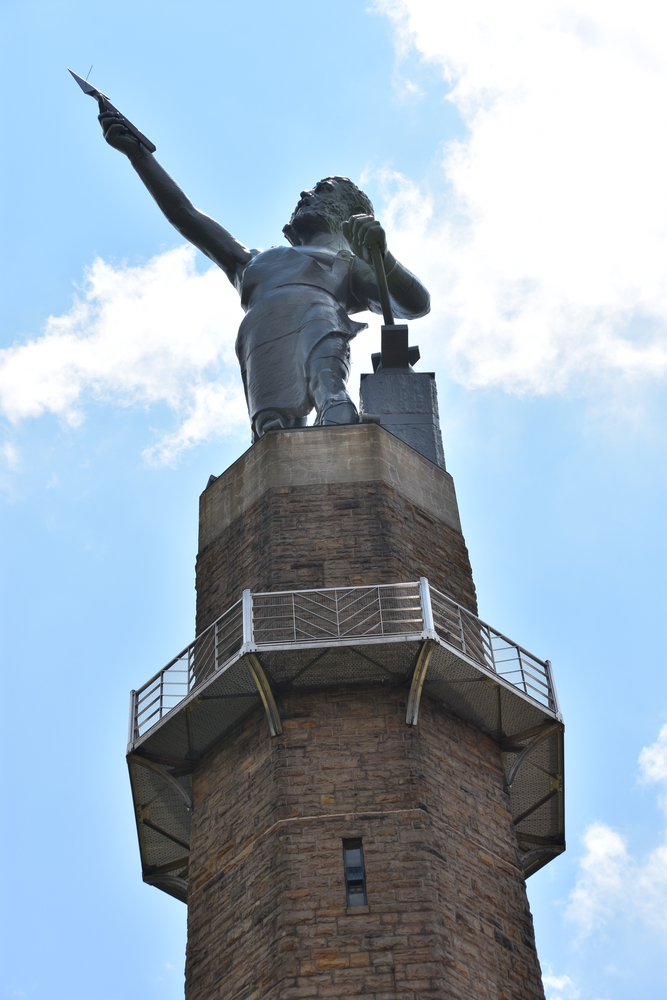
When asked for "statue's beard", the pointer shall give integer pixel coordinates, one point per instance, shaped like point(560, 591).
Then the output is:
point(303, 225)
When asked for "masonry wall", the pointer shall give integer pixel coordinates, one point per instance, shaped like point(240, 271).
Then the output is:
point(333, 535)
point(267, 917)
point(327, 507)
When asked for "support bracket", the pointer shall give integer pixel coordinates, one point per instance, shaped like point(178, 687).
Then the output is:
point(265, 693)
point(539, 734)
point(418, 678)
point(172, 884)
point(151, 765)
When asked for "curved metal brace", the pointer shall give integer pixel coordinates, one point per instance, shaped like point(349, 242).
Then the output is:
point(265, 693)
point(537, 853)
point(166, 777)
point(172, 884)
point(418, 678)
point(550, 727)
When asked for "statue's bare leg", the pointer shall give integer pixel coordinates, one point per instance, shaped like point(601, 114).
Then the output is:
point(328, 372)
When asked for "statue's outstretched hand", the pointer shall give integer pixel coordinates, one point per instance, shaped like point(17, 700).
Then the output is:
point(116, 134)
point(362, 231)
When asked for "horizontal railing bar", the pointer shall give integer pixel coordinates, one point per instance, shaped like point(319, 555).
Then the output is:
point(144, 721)
point(386, 612)
point(519, 671)
point(146, 707)
point(187, 649)
point(542, 694)
point(329, 590)
point(148, 694)
point(156, 701)
point(349, 641)
point(535, 677)
point(529, 673)
point(491, 628)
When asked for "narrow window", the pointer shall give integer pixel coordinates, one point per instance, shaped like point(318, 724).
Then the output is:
point(355, 875)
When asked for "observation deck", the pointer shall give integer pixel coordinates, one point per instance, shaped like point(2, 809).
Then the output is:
point(403, 634)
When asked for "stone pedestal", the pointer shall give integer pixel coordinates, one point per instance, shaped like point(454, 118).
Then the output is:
point(325, 507)
point(447, 913)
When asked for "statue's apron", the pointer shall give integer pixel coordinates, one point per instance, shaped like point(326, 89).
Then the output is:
point(293, 300)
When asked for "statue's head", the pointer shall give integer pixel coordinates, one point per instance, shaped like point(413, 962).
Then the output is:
point(325, 208)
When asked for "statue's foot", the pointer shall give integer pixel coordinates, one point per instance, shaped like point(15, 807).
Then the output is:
point(337, 410)
point(274, 420)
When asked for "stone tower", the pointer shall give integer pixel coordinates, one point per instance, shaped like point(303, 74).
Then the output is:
point(347, 775)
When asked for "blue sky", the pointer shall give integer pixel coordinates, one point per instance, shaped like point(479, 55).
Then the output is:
point(517, 157)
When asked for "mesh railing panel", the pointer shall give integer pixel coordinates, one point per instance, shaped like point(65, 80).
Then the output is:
point(336, 615)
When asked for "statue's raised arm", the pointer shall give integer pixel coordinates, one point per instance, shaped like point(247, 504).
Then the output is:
point(197, 227)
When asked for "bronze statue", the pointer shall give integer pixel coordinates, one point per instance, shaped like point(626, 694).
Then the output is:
point(293, 344)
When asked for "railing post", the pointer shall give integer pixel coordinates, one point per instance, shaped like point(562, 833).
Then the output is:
point(463, 638)
point(427, 611)
point(248, 632)
point(215, 648)
point(379, 593)
point(553, 694)
point(132, 721)
point(491, 649)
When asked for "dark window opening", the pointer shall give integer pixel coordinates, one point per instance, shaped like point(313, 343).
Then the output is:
point(355, 874)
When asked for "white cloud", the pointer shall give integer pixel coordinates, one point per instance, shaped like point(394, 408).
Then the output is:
point(544, 242)
point(611, 882)
point(559, 987)
point(546, 246)
point(653, 759)
point(156, 333)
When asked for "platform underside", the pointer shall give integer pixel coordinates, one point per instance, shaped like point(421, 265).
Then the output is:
point(161, 760)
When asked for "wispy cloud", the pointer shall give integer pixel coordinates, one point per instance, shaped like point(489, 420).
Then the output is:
point(614, 884)
point(653, 759)
point(546, 242)
point(559, 987)
point(10, 455)
point(156, 333)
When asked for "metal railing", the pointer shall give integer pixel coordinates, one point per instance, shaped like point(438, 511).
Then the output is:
point(492, 649)
point(337, 616)
point(203, 657)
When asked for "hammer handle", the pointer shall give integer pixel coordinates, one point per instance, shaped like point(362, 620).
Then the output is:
point(383, 288)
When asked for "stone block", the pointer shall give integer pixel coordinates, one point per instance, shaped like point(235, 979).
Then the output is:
point(407, 404)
